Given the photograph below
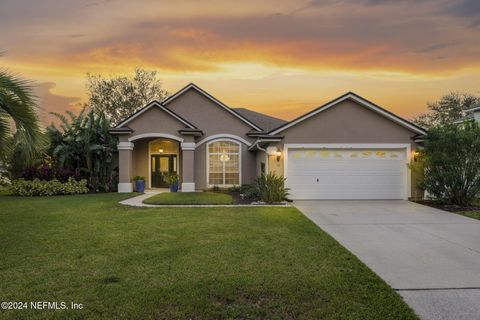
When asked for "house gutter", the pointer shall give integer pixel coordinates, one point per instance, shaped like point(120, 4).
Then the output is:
point(257, 145)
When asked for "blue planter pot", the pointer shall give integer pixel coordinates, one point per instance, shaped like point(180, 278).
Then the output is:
point(140, 185)
point(174, 187)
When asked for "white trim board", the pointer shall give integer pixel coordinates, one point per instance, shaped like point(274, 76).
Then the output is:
point(159, 105)
point(240, 155)
point(359, 100)
point(406, 146)
point(125, 146)
point(155, 135)
point(227, 136)
point(218, 102)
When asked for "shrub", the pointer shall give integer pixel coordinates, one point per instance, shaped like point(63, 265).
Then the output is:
point(171, 178)
point(234, 189)
point(452, 163)
point(250, 192)
point(271, 188)
point(138, 178)
point(4, 181)
point(48, 173)
point(37, 187)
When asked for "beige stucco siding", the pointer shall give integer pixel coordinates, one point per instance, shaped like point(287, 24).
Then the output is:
point(155, 120)
point(140, 160)
point(207, 115)
point(347, 122)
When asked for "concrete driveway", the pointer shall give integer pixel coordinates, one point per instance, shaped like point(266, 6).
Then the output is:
point(431, 257)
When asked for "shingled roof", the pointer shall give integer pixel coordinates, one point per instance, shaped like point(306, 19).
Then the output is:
point(264, 121)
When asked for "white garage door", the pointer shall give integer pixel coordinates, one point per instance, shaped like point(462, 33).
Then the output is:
point(346, 173)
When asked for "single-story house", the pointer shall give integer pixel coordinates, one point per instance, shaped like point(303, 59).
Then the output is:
point(348, 148)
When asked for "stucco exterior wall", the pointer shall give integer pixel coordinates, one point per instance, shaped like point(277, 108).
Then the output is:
point(140, 160)
point(347, 122)
point(207, 115)
point(260, 157)
point(155, 120)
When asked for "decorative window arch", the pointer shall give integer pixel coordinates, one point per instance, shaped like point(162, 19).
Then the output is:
point(224, 163)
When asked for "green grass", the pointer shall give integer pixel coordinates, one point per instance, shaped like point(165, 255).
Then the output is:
point(471, 214)
point(4, 191)
point(180, 263)
point(475, 214)
point(189, 198)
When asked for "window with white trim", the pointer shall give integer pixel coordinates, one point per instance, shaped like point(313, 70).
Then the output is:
point(223, 163)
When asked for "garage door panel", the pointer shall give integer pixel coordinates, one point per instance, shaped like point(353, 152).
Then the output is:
point(335, 174)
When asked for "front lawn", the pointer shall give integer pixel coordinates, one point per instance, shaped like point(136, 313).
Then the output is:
point(4, 191)
point(180, 263)
point(189, 198)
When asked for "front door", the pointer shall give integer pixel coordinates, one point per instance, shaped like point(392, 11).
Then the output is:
point(161, 166)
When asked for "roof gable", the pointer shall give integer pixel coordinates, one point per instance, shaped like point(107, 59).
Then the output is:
point(213, 99)
point(163, 108)
point(360, 101)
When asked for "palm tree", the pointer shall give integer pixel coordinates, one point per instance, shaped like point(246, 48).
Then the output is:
point(17, 105)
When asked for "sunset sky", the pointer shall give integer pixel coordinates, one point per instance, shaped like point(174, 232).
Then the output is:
point(278, 57)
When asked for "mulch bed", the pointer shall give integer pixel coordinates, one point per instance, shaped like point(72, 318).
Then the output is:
point(448, 207)
point(237, 199)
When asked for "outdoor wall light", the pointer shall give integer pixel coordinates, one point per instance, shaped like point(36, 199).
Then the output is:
point(160, 150)
point(415, 156)
point(278, 154)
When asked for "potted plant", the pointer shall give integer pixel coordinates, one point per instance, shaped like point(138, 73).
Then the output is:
point(139, 183)
point(172, 180)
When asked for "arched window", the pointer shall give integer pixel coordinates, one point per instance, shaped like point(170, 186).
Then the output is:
point(223, 163)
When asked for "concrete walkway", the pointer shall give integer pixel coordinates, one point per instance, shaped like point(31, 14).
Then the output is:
point(429, 256)
point(138, 200)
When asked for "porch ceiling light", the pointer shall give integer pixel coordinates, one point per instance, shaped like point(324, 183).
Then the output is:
point(160, 150)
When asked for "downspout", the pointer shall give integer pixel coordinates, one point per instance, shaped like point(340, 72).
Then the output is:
point(266, 154)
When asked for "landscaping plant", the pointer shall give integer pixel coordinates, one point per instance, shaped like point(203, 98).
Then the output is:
point(172, 180)
point(250, 192)
point(83, 143)
point(271, 188)
point(37, 187)
point(452, 163)
point(139, 183)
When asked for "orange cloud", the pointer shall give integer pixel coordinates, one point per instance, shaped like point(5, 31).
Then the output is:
point(51, 102)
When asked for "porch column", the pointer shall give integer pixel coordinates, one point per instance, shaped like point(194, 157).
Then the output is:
point(125, 154)
point(188, 176)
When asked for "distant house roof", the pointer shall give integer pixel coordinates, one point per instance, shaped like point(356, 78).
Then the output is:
point(264, 121)
point(469, 114)
point(472, 110)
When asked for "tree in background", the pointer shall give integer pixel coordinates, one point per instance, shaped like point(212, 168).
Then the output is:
point(83, 144)
point(119, 97)
point(17, 105)
point(452, 163)
point(448, 109)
